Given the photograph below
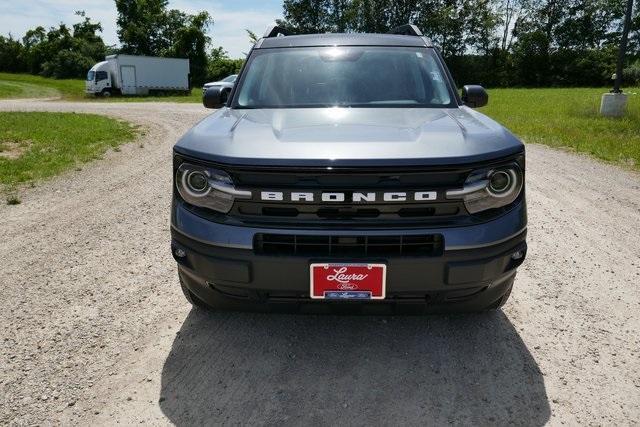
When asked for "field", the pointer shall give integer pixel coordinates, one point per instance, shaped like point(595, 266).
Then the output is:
point(569, 118)
point(38, 145)
point(566, 118)
point(28, 86)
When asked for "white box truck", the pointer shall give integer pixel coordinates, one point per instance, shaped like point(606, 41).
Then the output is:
point(137, 75)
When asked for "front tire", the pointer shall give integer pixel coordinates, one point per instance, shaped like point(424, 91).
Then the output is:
point(106, 93)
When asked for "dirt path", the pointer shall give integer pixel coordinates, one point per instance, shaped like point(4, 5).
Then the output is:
point(94, 329)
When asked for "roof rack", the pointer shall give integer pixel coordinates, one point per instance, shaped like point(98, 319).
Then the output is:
point(275, 31)
point(406, 30)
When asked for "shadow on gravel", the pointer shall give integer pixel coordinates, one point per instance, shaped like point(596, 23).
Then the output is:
point(254, 369)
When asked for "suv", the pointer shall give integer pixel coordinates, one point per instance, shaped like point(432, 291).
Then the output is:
point(345, 171)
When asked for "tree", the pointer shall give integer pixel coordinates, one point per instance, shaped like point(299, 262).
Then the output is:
point(140, 26)
point(59, 52)
point(253, 37)
point(307, 16)
point(86, 39)
point(147, 27)
point(220, 65)
point(66, 64)
point(190, 41)
point(531, 58)
point(11, 55)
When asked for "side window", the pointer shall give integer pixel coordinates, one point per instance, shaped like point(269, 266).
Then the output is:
point(101, 75)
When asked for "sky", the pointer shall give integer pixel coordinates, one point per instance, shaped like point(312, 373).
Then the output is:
point(231, 17)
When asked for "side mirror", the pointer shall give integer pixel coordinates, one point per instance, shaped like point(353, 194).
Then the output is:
point(474, 96)
point(214, 97)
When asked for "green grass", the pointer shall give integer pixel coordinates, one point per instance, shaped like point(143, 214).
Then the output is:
point(35, 145)
point(194, 96)
point(30, 86)
point(556, 117)
point(569, 118)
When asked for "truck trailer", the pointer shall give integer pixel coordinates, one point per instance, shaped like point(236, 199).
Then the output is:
point(137, 75)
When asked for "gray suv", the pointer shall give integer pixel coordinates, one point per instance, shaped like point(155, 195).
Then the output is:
point(345, 172)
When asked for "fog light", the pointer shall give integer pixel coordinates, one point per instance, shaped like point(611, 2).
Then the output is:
point(180, 253)
point(517, 255)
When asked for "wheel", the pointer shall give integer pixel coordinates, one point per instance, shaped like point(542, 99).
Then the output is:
point(106, 93)
point(193, 300)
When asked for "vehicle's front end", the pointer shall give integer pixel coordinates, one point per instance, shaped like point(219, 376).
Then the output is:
point(377, 206)
point(98, 81)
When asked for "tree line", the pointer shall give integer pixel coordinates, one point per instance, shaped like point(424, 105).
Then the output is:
point(495, 42)
point(144, 27)
point(491, 42)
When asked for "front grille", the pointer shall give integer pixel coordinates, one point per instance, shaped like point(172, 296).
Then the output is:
point(250, 211)
point(314, 213)
point(348, 180)
point(353, 246)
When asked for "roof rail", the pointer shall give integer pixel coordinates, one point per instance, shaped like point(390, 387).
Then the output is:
point(275, 31)
point(406, 30)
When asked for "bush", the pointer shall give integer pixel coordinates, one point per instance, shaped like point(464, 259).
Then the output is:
point(220, 65)
point(67, 64)
point(631, 74)
point(11, 55)
point(586, 68)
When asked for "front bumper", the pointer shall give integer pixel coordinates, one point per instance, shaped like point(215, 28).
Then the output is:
point(476, 268)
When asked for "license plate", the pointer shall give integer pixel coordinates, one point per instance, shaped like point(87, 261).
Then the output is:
point(348, 281)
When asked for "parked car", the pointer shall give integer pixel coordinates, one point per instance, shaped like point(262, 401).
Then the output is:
point(137, 75)
point(346, 170)
point(226, 84)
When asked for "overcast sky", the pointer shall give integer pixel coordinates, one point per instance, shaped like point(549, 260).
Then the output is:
point(230, 17)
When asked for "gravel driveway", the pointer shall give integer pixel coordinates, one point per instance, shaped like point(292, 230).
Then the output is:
point(94, 328)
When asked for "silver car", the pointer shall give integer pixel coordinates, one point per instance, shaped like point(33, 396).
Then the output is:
point(226, 83)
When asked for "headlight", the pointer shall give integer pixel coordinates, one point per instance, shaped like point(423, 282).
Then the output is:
point(490, 188)
point(207, 188)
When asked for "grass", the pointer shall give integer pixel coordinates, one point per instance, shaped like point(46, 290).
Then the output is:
point(36, 145)
point(195, 96)
point(556, 117)
point(30, 86)
point(569, 118)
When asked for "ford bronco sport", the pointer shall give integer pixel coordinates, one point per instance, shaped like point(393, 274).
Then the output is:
point(345, 171)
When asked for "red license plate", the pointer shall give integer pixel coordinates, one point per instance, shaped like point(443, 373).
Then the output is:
point(348, 281)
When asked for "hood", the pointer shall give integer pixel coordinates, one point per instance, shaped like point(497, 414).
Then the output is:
point(349, 136)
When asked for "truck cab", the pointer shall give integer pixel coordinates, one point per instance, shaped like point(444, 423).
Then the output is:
point(99, 80)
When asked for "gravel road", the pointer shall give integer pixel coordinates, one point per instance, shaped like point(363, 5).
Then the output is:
point(95, 330)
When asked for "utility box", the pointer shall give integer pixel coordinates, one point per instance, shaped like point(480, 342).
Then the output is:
point(138, 75)
point(613, 104)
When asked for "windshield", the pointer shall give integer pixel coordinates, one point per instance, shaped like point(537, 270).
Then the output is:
point(343, 76)
point(91, 75)
point(230, 79)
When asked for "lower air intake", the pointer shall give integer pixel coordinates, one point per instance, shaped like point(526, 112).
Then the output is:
point(295, 244)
